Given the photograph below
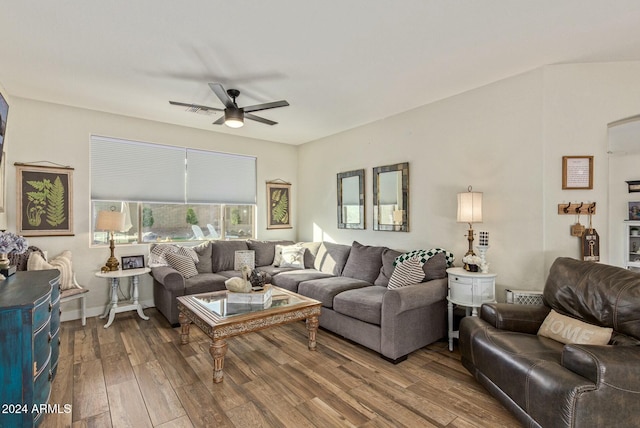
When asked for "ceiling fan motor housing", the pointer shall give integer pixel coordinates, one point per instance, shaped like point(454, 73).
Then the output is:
point(233, 117)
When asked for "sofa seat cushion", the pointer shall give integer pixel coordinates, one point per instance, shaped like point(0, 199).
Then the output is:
point(204, 283)
point(293, 277)
point(275, 270)
point(325, 289)
point(363, 303)
point(230, 273)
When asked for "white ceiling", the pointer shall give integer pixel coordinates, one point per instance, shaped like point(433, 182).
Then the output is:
point(339, 63)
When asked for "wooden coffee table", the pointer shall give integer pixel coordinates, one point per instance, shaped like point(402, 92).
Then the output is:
point(220, 320)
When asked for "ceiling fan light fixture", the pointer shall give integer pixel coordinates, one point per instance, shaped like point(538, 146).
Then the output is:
point(233, 118)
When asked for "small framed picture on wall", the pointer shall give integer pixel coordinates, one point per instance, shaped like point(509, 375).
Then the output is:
point(577, 172)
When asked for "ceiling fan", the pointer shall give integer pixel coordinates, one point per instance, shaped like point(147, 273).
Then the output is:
point(233, 115)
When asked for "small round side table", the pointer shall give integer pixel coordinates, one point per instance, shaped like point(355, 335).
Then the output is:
point(114, 307)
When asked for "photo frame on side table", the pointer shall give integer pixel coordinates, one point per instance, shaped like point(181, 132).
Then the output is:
point(577, 172)
point(44, 200)
point(132, 262)
point(279, 208)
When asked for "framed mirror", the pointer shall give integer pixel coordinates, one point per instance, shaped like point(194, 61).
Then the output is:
point(351, 200)
point(391, 197)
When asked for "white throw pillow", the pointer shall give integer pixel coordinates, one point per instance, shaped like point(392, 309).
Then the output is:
point(567, 330)
point(292, 256)
point(61, 262)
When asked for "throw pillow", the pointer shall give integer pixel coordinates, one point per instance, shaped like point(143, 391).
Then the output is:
point(567, 330)
point(408, 271)
point(364, 262)
point(277, 256)
point(183, 264)
point(293, 256)
point(189, 252)
point(435, 267)
point(61, 262)
point(157, 254)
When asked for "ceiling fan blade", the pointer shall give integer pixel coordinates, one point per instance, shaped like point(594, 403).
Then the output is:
point(194, 107)
point(259, 119)
point(220, 121)
point(222, 94)
point(265, 106)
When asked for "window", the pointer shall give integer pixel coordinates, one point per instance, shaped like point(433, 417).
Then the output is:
point(171, 193)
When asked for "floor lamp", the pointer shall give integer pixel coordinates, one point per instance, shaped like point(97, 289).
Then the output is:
point(111, 221)
point(470, 211)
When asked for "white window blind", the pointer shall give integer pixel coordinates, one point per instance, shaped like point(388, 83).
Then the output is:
point(220, 178)
point(133, 171)
point(124, 170)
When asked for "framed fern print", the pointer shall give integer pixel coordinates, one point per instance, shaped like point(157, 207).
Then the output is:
point(279, 200)
point(45, 200)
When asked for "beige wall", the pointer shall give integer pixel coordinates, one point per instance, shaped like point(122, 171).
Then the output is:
point(489, 138)
point(507, 140)
point(580, 100)
point(40, 131)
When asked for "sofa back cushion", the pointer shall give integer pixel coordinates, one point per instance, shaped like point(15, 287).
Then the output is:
point(331, 258)
point(364, 262)
point(388, 257)
point(595, 293)
point(265, 250)
point(223, 254)
point(203, 265)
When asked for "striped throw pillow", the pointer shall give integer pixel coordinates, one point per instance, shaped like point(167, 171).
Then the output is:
point(183, 264)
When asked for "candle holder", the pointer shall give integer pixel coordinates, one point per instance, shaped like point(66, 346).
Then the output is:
point(482, 251)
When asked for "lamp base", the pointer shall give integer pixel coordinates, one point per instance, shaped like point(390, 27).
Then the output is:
point(112, 263)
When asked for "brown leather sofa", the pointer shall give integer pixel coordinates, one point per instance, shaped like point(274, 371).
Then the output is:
point(545, 383)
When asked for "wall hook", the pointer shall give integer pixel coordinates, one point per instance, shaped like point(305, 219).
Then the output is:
point(566, 209)
point(579, 208)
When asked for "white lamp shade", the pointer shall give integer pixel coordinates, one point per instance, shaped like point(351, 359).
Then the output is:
point(111, 221)
point(470, 207)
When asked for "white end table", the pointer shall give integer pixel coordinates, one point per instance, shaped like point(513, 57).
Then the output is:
point(114, 307)
point(468, 289)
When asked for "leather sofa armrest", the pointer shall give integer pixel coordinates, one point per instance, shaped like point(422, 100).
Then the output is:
point(615, 366)
point(170, 278)
point(398, 300)
point(520, 318)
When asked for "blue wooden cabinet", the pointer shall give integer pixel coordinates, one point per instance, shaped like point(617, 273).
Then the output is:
point(29, 345)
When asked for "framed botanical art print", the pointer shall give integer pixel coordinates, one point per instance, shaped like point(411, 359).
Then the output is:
point(279, 205)
point(45, 200)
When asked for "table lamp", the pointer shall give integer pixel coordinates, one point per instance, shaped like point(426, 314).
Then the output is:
point(111, 221)
point(470, 211)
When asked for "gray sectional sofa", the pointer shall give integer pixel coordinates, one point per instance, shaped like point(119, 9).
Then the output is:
point(350, 281)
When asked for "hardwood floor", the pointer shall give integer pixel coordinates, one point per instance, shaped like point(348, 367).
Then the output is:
point(136, 374)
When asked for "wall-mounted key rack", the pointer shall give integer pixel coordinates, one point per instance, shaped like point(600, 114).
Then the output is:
point(583, 208)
